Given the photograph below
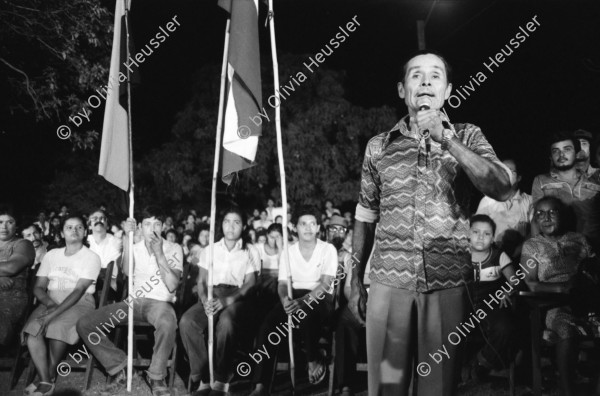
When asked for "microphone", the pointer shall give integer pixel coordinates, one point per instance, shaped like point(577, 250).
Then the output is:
point(426, 135)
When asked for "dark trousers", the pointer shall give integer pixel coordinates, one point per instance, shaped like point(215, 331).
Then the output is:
point(347, 341)
point(229, 324)
point(309, 324)
point(500, 328)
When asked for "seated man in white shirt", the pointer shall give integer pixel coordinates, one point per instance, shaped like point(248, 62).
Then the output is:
point(105, 245)
point(313, 265)
point(512, 217)
point(157, 268)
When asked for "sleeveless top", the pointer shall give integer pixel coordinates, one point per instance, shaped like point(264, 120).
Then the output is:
point(20, 280)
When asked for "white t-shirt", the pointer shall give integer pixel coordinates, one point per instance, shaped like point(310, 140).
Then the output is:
point(147, 281)
point(109, 249)
point(307, 274)
point(64, 271)
point(268, 262)
point(230, 267)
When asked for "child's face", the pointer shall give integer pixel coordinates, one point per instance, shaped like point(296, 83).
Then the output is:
point(481, 237)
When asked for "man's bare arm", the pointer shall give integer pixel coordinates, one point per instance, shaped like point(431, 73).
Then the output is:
point(488, 177)
point(362, 244)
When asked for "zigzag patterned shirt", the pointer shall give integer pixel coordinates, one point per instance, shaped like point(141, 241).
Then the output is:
point(421, 241)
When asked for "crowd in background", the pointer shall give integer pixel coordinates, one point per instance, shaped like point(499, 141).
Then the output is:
point(552, 235)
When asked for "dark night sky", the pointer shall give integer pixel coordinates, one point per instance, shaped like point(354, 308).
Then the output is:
point(549, 83)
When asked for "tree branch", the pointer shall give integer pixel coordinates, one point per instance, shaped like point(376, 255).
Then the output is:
point(30, 90)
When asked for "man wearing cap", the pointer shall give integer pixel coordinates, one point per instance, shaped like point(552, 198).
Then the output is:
point(415, 188)
point(582, 161)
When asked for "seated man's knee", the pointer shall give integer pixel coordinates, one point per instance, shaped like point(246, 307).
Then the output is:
point(166, 323)
point(226, 323)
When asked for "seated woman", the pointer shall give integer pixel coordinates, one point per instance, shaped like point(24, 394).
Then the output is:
point(65, 287)
point(313, 266)
point(235, 267)
point(266, 286)
point(16, 257)
point(554, 257)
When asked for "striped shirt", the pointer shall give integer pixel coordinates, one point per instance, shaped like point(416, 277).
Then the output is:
point(421, 241)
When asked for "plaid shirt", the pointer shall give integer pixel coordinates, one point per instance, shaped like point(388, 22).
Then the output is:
point(421, 241)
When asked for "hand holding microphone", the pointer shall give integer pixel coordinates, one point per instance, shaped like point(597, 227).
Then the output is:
point(429, 121)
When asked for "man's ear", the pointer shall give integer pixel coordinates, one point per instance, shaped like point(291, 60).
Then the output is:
point(448, 91)
point(401, 91)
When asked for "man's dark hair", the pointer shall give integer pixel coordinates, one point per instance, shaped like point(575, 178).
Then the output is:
point(306, 210)
point(35, 226)
point(152, 211)
point(426, 52)
point(561, 136)
point(261, 232)
point(174, 232)
point(202, 227)
point(481, 218)
point(275, 227)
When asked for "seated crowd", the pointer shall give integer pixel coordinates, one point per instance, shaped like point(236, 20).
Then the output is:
point(541, 243)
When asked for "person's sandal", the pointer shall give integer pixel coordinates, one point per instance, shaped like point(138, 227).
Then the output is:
point(29, 389)
point(49, 392)
point(316, 377)
point(159, 387)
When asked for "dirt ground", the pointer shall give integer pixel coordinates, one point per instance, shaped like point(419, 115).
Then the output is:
point(72, 384)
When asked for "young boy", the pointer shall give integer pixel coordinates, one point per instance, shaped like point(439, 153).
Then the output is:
point(492, 268)
point(313, 265)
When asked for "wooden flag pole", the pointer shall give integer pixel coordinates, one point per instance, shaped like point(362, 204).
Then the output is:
point(283, 186)
point(131, 205)
point(213, 202)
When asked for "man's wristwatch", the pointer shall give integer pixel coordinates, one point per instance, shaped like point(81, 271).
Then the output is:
point(447, 134)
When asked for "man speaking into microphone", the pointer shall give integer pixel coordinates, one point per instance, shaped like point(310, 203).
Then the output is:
point(415, 185)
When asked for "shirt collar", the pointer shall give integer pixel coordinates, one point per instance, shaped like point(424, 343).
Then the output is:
point(554, 174)
point(401, 128)
point(236, 247)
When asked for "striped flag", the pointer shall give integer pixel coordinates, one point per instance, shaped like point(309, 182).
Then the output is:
point(114, 151)
point(243, 95)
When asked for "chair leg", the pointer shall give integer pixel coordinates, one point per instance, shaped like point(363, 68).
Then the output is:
point(511, 378)
point(332, 367)
point(31, 373)
point(273, 373)
point(89, 371)
point(15, 371)
point(173, 367)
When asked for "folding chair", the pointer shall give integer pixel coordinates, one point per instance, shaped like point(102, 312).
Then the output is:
point(102, 301)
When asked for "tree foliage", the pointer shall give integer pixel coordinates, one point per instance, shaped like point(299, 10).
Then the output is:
point(324, 137)
point(53, 55)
